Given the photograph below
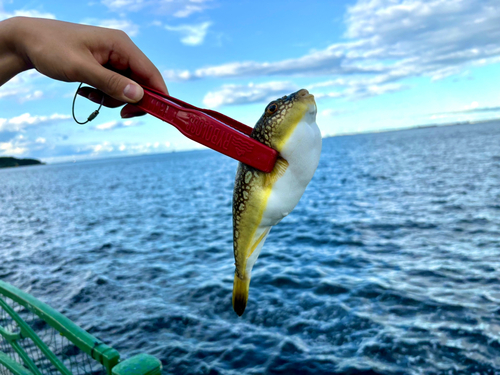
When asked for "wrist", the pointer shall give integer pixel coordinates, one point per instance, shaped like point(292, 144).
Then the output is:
point(13, 60)
point(18, 29)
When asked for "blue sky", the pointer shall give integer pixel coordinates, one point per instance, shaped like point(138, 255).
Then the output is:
point(372, 64)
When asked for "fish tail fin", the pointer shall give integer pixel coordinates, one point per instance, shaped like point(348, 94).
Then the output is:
point(240, 294)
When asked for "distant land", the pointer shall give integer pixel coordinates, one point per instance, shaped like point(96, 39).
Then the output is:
point(7, 162)
point(476, 122)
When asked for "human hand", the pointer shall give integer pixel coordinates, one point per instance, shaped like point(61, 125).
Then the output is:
point(103, 58)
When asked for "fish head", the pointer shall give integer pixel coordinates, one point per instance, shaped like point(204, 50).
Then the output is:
point(282, 116)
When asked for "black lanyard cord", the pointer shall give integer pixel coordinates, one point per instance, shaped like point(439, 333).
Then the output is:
point(92, 116)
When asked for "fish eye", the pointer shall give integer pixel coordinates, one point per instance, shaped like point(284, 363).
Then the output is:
point(271, 108)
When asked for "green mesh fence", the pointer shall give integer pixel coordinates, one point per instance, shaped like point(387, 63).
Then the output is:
point(37, 340)
point(76, 361)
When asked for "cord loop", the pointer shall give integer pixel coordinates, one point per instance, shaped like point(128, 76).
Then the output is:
point(92, 116)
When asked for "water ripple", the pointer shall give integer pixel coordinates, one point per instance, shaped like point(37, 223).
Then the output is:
point(389, 264)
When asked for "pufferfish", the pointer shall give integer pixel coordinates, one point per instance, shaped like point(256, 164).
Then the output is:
point(260, 199)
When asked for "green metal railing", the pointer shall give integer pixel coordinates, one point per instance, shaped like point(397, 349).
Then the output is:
point(35, 339)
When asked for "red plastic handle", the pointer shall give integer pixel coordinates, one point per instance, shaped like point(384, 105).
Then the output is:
point(210, 128)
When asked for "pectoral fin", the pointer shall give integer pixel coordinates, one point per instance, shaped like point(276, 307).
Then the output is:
point(279, 170)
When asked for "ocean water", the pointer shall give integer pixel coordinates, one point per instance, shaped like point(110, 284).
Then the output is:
point(390, 264)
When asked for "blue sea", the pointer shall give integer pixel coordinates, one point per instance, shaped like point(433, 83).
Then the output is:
point(390, 264)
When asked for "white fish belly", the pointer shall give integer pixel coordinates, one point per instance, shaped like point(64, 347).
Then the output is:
point(302, 151)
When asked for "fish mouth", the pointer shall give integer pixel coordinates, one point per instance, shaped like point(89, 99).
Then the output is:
point(308, 99)
point(304, 95)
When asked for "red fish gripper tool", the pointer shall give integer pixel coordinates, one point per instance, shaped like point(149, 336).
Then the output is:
point(210, 128)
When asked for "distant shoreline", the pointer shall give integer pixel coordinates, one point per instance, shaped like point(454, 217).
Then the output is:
point(416, 127)
point(11, 162)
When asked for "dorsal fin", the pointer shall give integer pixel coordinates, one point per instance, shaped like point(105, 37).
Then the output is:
point(279, 170)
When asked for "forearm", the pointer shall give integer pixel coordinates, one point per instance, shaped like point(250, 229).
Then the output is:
point(11, 58)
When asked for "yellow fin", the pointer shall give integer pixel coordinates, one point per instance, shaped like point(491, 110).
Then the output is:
point(240, 294)
point(262, 236)
point(279, 170)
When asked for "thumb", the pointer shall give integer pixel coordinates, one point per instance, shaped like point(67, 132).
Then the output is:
point(113, 84)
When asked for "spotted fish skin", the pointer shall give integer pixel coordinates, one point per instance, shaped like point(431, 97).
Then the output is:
point(261, 200)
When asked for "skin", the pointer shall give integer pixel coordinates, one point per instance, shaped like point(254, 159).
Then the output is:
point(103, 58)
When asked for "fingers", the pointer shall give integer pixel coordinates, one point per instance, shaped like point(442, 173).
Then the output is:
point(142, 70)
point(131, 111)
point(102, 71)
point(149, 75)
point(111, 83)
point(96, 96)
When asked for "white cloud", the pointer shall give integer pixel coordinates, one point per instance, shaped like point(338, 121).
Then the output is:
point(358, 91)
point(18, 145)
point(100, 148)
point(177, 75)
point(21, 87)
point(124, 5)
point(56, 152)
point(117, 124)
point(27, 119)
point(6, 92)
point(10, 148)
point(177, 8)
point(107, 148)
point(18, 123)
point(188, 10)
point(107, 125)
point(251, 93)
point(472, 106)
point(33, 96)
point(231, 94)
point(389, 40)
point(329, 61)
point(192, 35)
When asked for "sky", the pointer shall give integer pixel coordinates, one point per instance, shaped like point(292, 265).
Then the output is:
point(372, 65)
